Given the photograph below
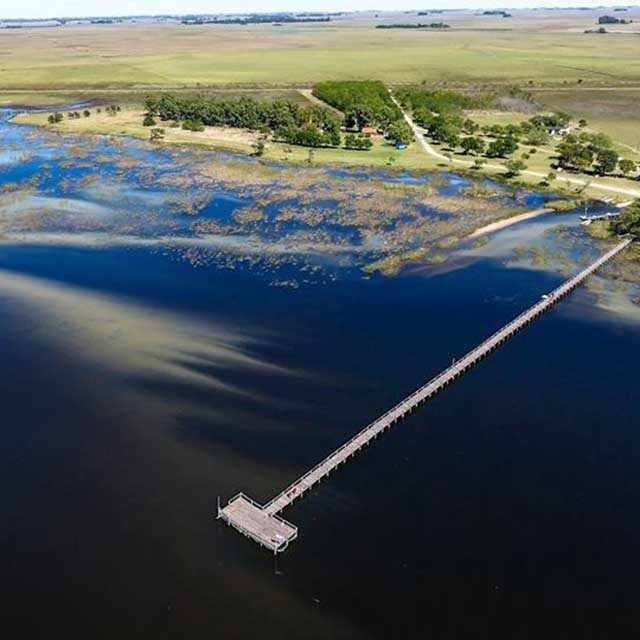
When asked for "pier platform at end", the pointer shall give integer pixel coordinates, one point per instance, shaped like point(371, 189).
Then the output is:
point(250, 519)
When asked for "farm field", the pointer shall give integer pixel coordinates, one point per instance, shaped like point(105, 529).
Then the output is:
point(613, 111)
point(530, 47)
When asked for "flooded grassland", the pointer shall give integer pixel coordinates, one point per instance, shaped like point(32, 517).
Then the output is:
point(214, 208)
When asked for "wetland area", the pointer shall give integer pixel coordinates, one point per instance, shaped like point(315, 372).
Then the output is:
point(179, 324)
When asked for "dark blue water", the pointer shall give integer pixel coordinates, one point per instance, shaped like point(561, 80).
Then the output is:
point(505, 508)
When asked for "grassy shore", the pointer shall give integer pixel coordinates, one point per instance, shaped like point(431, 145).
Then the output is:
point(128, 122)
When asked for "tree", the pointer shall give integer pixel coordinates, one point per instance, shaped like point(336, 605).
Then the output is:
point(86, 113)
point(451, 139)
point(536, 137)
point(258, 148)
point(551, 122)
point(629, 220)
point(148, 121)
point(502, 148)
point(607, 161)
point(583, 123)
point(193, 125)
point(478, 163)
point(470, 127)
point(627, 166)
point(514, 167)
point(551, 177)
point(574, 155)
point(358, 143)
point(400, 132)
point(472, 145)
point(446, 130)
point(156, 135)
point(358, 116)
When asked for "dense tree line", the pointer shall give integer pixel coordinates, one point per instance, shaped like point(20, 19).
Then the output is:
point(311, 126)
point(364, 103)
point(439, 101)
point(414, 25)
point(260, 18)
point(613, 20)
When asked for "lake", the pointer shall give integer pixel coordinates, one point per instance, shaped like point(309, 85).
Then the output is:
point(148, 370)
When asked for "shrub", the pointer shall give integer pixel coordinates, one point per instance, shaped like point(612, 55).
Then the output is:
point(192, 125)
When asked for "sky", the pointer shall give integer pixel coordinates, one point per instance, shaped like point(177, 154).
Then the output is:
point(77, 8)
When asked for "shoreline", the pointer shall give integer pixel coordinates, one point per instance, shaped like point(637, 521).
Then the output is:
point(507, 222)
point(244, 147)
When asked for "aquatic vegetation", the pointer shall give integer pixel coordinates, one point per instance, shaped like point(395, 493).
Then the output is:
point(392, 265)
point(440, 181)
point(600, 229)
point(479, 190)
point(483, 241)
point(560, 206)
point(438, 258)
point(232, 211)
point(447, 243)
point(248, 215)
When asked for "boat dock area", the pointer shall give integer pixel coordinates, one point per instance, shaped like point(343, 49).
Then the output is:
point(587, 220)
point(263, 525)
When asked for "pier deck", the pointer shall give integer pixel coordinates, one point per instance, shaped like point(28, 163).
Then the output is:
point(252, 520)
point(262, 524)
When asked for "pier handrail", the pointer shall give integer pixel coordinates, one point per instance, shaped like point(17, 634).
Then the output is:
point(441, 379)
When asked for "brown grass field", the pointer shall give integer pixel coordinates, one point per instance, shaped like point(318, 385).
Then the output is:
point(542, 48)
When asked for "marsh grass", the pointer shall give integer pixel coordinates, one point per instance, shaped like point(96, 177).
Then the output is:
point(392, 265)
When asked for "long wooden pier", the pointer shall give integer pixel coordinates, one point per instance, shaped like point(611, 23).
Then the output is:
point(262, 522)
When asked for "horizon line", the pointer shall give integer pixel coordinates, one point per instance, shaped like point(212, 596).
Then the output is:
point(580, 7)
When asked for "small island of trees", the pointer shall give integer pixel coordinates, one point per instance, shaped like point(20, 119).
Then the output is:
point(613, 20)
point(415, 25)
